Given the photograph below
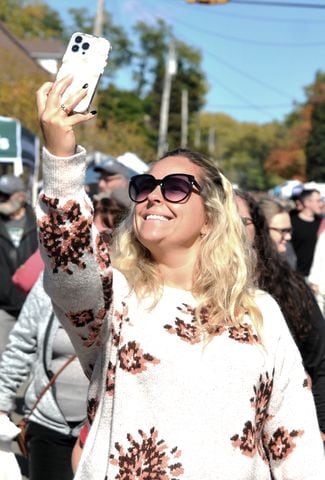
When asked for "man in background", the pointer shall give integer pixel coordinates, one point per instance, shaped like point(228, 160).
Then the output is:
point(305, 225)
point(18, 240)
point(113, 181)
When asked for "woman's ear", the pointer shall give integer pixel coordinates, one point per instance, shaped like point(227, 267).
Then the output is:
point(205, 229)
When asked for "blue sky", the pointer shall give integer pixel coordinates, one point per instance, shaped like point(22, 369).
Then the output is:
point(257, 59)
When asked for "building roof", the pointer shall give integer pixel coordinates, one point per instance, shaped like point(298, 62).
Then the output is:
point(11, 47)
point(44, 47)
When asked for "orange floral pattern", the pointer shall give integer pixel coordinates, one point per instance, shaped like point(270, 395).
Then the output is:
point(65, 234)
point(133, 359)
point(146, 459)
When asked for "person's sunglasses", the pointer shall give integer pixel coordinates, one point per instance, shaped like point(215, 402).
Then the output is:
point(174, 188)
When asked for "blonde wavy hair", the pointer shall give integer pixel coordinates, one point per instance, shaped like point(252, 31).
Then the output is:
point(223, 277)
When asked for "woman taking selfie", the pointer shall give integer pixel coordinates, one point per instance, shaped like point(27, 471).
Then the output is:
point(194, 375)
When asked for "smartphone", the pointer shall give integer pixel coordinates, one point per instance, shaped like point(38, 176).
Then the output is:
point(85, 58)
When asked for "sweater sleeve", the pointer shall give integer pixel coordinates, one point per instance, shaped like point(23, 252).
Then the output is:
point(20, 353)
point(312, 349)
point(291, 433)
point(78, 275)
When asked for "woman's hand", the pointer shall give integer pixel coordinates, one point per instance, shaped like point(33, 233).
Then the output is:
point(57, 120)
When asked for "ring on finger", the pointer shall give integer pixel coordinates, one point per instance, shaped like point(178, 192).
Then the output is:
point(64, 108)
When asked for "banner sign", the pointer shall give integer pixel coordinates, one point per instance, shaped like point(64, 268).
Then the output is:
point(17, 145)
point(9, 139)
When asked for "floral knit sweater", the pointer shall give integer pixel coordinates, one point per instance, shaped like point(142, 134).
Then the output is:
point(163, 404)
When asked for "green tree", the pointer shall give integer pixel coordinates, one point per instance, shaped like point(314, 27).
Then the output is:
point(149, 75)
point(240, 148)
point(31, 19)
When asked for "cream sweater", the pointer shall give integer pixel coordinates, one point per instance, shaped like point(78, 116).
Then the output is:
point(163, 404)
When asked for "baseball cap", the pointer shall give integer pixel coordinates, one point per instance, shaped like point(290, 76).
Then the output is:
point(113, 167)
point(10, 184)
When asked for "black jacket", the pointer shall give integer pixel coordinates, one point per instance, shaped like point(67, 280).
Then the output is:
point(11, 298)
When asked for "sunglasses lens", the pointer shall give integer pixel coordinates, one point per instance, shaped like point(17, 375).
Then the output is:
point(176, 188)
point(140, 187)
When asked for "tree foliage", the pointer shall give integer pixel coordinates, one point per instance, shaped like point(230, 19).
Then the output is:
point(251, 155)
point(240, 149)
point(32, 19)
point(154, 43)
point(20, 80)
point(315, 146)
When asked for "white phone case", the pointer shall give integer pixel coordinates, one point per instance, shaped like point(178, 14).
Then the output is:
point(85, 57)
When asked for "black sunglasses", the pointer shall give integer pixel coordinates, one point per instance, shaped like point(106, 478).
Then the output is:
point(174, 188)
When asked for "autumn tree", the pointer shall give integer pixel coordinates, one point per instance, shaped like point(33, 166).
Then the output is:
point(315, 146)
point(287, 158)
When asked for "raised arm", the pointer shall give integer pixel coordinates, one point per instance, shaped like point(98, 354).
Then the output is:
point(77, 270)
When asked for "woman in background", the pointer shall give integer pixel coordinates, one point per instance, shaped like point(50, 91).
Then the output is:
point(38, 347)
point(280, 228)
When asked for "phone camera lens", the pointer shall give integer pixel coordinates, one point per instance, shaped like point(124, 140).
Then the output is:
point(78, 39)
point(85, 46)
point(75, 48)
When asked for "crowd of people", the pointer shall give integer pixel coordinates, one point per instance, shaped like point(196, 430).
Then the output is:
point(195, 311)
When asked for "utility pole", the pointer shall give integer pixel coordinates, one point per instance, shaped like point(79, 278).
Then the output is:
point(99, 19)
point(184, 117)
point(211, 140)
point(197, 132)
point(170, 70)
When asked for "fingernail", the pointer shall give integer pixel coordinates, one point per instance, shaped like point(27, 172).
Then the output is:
point(85, 85)
point(93, 112)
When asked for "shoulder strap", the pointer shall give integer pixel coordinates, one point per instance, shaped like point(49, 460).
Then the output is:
point(50, 383)
point(45, 342)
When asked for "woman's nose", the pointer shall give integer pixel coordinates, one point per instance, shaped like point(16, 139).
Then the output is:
point(155, 195)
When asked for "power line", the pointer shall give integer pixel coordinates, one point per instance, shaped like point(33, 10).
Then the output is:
point(220, 13)
point(248, 41)
point(243, 98)
point(250, 107)
point(248, 75)
point(268, 19)
point(234, 93)
point(280, 4)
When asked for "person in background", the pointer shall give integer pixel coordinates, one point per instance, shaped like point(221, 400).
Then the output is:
point(280, 229)
point(194, 374)
point(296, 300)
point(38, 347)
point(18, 241)
point(317, 272)
point(114, 180)
point(305, 225)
